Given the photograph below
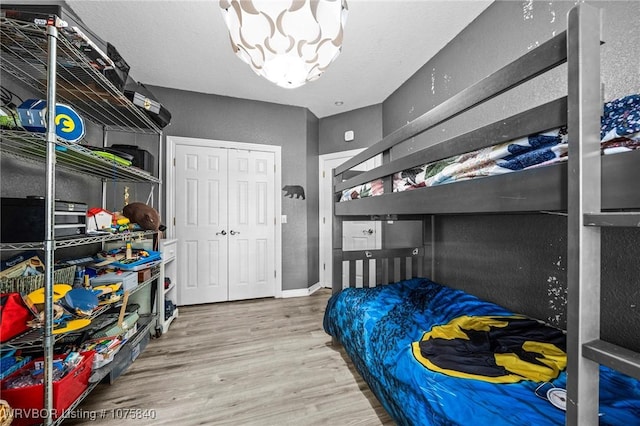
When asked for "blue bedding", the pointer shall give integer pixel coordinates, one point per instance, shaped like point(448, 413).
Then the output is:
point(378, 326)
point(619, 132)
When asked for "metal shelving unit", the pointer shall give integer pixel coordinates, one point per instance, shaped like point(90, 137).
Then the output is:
point(47, 60)
point(34, 338)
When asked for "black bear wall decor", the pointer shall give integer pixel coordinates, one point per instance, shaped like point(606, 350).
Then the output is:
point(291, 190)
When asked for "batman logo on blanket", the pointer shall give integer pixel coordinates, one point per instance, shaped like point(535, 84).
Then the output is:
point(496, 349)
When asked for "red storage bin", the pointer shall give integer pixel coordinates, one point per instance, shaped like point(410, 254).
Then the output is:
point(28, 402)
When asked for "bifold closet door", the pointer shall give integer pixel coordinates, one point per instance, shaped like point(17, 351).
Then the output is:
point(251, 224)
point(201, 188)
point(225, 223)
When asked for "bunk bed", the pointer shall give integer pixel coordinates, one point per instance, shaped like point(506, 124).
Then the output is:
point(396, 334)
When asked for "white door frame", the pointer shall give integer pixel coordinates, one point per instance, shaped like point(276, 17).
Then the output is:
point(326, 229)
point(173, 141)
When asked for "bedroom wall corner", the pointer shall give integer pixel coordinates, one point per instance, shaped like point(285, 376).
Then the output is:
point(313, 237)
point(366, 124)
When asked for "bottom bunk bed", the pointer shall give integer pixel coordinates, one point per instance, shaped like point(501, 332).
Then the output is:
point(434, 355)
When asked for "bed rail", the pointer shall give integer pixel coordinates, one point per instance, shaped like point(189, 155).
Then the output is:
point(547, 56)
point(536, 62)
point(547, 116)
point(537, 189)
point(391, 265)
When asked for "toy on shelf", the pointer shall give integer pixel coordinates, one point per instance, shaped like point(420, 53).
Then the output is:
point(99, 219)
point(69, 124)
point(144, 215)
point(139, 259)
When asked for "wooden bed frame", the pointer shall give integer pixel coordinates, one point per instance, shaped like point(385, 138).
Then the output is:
point(573, 187)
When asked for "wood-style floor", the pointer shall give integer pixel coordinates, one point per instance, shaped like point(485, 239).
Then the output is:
point(263, 362)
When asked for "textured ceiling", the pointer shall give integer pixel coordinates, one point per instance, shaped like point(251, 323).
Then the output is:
point(185, 45)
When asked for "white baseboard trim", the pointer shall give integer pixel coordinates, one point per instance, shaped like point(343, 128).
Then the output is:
point(314, 288)
point(299, 292)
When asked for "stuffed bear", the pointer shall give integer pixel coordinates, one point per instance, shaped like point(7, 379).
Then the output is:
point(145, 216)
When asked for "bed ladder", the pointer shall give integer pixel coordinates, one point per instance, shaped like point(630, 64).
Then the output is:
point(586, 351)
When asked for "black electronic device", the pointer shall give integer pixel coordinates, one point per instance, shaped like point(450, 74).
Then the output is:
point(140, 158)
point(23, 219)
point(143, 98)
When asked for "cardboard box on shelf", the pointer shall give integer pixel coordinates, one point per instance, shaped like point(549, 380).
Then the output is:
point(144, 275)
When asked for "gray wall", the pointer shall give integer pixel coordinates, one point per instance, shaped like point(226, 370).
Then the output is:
point(312, 200)
point(366, 124)
point(519, 261)
point(206, 116)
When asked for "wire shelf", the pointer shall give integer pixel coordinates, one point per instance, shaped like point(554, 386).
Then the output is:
point(77, 241)
point(34, 337)
point(144, 325)
point(70, 157)
point(24, 56)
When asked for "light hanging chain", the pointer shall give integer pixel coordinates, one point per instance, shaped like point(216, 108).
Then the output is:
point(286, 42)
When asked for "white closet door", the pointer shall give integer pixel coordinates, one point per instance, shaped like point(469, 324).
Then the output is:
point(251, 224)
point(362, 235)
point(201, 184)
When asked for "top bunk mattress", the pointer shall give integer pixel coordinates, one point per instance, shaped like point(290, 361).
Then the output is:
point(380, 328)
point(619, 132)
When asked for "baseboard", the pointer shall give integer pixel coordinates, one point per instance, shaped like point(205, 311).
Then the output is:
point(314, 288)
point(299, 292)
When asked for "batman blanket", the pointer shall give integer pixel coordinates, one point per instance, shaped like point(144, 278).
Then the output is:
point(498, 349)
point(382, 328)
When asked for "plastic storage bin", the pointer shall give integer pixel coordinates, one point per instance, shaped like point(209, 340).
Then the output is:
point(142, 263)
point(128, 279)
point(28, 402)
point(10, 363)
point(125, 357)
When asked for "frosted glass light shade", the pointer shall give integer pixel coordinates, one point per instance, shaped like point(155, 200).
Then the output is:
point(288, 42)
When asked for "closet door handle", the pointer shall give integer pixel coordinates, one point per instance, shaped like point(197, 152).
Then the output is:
point(232, 232)
point(222, 233)
point(367, 231)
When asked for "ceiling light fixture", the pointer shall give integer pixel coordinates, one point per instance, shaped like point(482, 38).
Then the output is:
point(286, 42)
